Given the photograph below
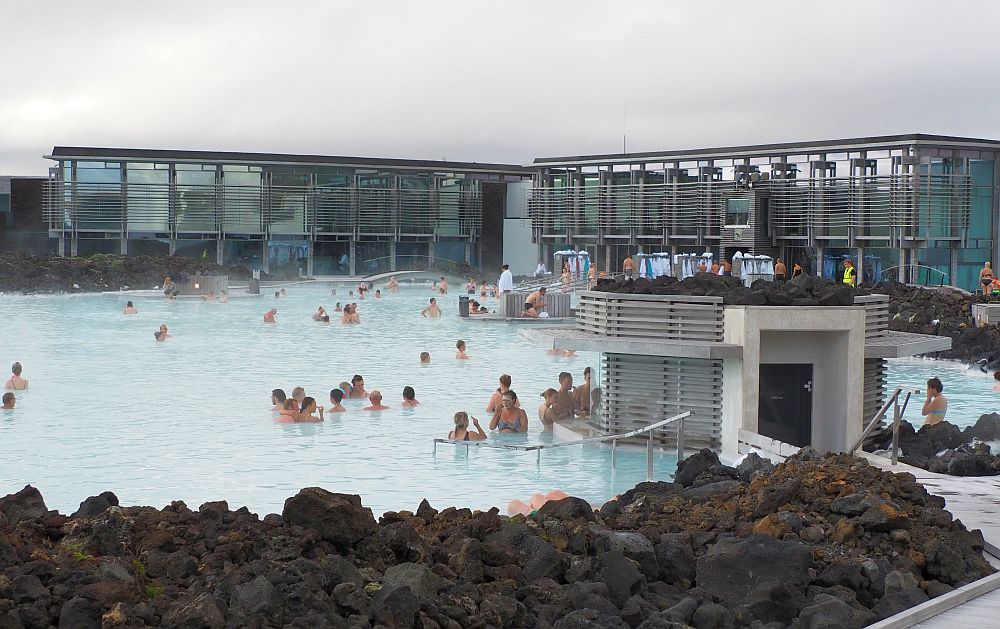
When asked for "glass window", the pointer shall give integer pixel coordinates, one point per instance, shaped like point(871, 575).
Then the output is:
point(737, 212)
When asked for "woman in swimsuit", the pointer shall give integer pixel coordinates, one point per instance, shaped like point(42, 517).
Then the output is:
point(409, 397)
point(289, 413)
point(130, 309)
point(509, 418)
point(16, 382)
point(936, 405)
point(307, 409)
point(461, 432)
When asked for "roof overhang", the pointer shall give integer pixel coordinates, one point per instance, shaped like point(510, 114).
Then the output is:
point(902, 344)
point(572, 339)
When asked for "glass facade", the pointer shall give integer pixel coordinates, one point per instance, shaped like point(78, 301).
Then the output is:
point(348, 218)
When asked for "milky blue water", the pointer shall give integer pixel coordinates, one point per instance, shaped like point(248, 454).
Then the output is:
point(111, 409)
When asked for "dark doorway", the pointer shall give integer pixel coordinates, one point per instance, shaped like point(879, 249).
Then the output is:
point(785, 409)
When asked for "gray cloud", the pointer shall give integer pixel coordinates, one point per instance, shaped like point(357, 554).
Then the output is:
point(487, 81)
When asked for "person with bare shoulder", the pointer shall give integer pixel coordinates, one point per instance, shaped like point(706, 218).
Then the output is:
point(461, 431)
point(432, 310)
point(375, 397)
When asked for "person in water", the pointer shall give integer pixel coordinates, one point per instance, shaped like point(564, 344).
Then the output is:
point(409, 397)
point(283, 293)
point(129, 309)
point(936, 405)
point(516, 507)
point(546, 412)
point(345, 387)
point(393, 285)
point(319, 314)
point(165, 331)
point(432, 310)
point(289, 412)
point(425, 358)
point(298, 394)
point(996, 376)
point(159, 336)
point(336, 396)
point(269, 315)
point(581, 395)
point(338, 308)
point(16, 382)
point(504, 387)
point(375, 397)
point(460, 354)
point(378, 293)
point(9, 400)
point(461, 431)
point(564, 405)
point(509, 418)
point(307, 409)
point(358, 388)
point(278, 398)
point(443, 286)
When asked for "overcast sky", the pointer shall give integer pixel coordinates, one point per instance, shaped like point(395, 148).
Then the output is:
point(493, 81)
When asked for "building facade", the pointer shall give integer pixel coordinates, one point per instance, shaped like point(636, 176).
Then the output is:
point(325, 215)
point(920, 208)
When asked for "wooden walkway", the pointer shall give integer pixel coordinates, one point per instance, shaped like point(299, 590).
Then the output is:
point(975, 500)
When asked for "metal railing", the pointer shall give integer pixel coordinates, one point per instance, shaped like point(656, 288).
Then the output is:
point(614, 439)
point(913, 274)
point(897, 416)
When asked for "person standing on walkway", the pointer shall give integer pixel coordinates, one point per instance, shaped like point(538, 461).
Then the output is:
point(850, 273)
point(506, 282)
point(986, 277)
point(628, 267)
point(780, 271)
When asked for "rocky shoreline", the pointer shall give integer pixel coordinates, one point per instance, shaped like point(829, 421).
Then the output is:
point(944, 448)
point(21, 273)
point(821, 542)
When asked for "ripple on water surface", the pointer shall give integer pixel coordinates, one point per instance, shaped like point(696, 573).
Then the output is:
point(109, 408)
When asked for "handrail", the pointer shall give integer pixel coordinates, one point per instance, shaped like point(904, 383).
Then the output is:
point(912, 267)
point(897, 415)
point(538, 447)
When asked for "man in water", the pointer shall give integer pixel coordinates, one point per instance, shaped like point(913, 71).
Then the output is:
point(506, 283)
point(432, 310)
point(278, 398)
point(443, 286)
point(9, 400)
point(130, 309)
point(564, 405)
point(269, 315)
point(358, 387)
point(425, 358)
point(376, 402)
point(336, 395)
point(298, 394)
point(581, 396)
point(537, 299)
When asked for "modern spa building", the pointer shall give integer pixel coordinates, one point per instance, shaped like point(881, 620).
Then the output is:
point(326, 215)
point(891, 203)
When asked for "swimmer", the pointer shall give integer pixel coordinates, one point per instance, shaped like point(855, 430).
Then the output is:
point(336, 396)
point(345, 388)
point(434, 286)
point(409, 397)
point(470, 287)
point(307, 409)
point(996, 376)
point(565, 353)
point(129, 309)
point(443, 286)
point(169, 288)
point(165, 331)
point(283, 293)
point(508, 418)
point(376, 402)
point(298, 394)
point(393, 285)
point(432, 310)
point(355, 317)
point(425, 358)
point(378, 294)
point(9, 400)
point(460, 354)
point(277, 295)
point(461, 430)
point(278, 398)
point(333, 291)
point(159, 336)
point(516, 507)
point(319, 314)
point(546, 412)
point(338, 308)
point(358, 387)
point(325, 319)
point(504, 387)
point(269, 315)
point(289, 412)
point(565, 405)
point(210, 296)
point(224, 297)
point(581, 394)
point(350, 293)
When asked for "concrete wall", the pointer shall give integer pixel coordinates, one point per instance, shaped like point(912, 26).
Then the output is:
point(831, 339)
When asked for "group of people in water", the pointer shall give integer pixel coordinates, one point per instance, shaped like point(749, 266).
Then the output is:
point(16, 382)
point(301, 408)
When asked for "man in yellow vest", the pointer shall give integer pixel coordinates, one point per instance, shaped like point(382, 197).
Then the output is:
point(850, 273)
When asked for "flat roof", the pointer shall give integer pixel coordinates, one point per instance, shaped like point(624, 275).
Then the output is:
point(875, 142)
point(236, 157)
point(569, 338)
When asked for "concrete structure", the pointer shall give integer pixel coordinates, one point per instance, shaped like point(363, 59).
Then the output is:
point(918, 207)
point(800, 375)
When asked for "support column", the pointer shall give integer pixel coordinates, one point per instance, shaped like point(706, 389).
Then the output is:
point(392, 255)
point(265, 257)
point(74, 245)
point(124, 244)
point(901, 269)
point(819, 262)
point(953, 268)
point(309, 256)
point(172, 246)
point(610, 264)
point(430, 254)
point(861, 266)
point(468, 253)
point(62, 244)
point(220, 245)
point(353, 255)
